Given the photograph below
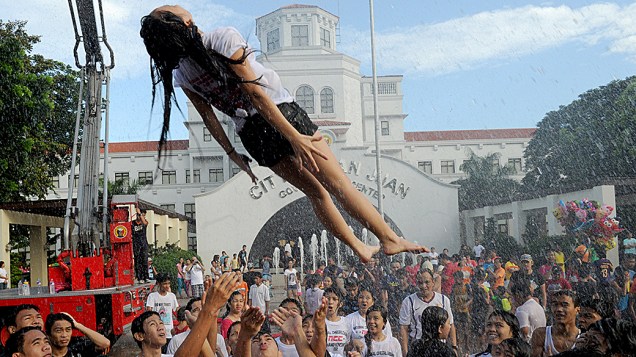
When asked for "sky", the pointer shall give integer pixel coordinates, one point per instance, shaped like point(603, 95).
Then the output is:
point(466, 64)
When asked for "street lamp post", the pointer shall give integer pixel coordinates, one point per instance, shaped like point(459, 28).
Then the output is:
point(376, 115)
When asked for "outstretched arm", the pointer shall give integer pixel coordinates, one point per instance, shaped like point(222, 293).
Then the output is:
point(251, 322)
point(302, 144)
point(216, 297)
point(291, 324)
point(319, 340)
point(216, 129)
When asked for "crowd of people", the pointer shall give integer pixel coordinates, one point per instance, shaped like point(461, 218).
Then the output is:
point(472, 303)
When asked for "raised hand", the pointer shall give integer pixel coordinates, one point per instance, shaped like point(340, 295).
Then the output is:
point(219, 292)
point(320, 315)
point(290, 322)
point(251, 321)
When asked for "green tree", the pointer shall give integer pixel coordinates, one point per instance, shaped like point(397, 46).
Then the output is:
point(589, 139)
point(486, 182)
point(119, 187)
point(38, 99)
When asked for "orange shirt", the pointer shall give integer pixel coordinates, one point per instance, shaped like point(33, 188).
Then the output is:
point(244, 289)
point(500, 274)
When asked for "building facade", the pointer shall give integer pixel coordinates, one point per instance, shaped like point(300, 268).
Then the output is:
point(300, 43)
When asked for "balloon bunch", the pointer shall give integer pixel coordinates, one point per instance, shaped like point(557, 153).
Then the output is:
point(589, 218)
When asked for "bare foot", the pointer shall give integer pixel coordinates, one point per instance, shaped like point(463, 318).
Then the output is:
point(402, 245)
point(366, 252)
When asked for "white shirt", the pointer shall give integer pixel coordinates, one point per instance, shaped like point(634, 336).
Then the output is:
point(3, 272)
point(530, 315)
point(226, 41)
point(286, 350)
point(478, 249)
point(164, 305)
point(411, 313)
point(291, 277)
point(390, 347)
point(313, 299)
point(259, 294)
point(178, 339)
point(433, 256)
point(196, 275)
point(358, 326)
point(338, 335)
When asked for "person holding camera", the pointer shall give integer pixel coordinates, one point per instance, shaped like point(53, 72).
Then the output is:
point(140, 246)
point(196, 270)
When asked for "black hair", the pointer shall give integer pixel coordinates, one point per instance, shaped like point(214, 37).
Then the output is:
point(137, 325)
point(520, 286)
point(620, 335)
point(229, 329)
point(335, 291)
point(168, 40)
point(479, 274)
point(181, 314)
point(11, 319)
point(15, 343)
point(53, 318)
point(162, 278)
point(570, 293)
point(294, 301)
point(517, 346)
point(383, 313)
point(510, 320)
point(351, 281)
point(228, 305)
point(603, 305)
point(432, 318)
point(367, 286)
point(191, 302)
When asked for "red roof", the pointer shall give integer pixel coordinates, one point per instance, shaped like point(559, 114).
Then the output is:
point(520, 133)
point(331, 123)
point(138, 146)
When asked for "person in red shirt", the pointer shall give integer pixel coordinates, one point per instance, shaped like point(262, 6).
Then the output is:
point(447, 274)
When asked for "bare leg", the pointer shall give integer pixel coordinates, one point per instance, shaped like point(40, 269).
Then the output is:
point(323, 206)
point(359, 207)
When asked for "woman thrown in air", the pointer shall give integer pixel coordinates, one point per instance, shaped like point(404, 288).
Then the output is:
point(217, 69)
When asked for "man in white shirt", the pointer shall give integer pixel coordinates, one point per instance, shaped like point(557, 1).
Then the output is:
point(163, 302)
point(196, 270)
point(433, 255)
point(259, 294)
point(529, 312)
point(478, 249)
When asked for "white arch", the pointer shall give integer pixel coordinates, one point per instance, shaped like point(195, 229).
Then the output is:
point(425, 210)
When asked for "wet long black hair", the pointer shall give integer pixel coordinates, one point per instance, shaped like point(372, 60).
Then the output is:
point(433, 317)
point(168, 40)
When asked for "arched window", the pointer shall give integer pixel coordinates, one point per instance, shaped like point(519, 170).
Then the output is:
point(326, 100)
point(305, 98)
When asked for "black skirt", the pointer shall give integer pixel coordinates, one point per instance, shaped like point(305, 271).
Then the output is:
point(265, 144)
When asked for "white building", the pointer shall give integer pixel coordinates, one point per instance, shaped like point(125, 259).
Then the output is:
point(299, 42)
